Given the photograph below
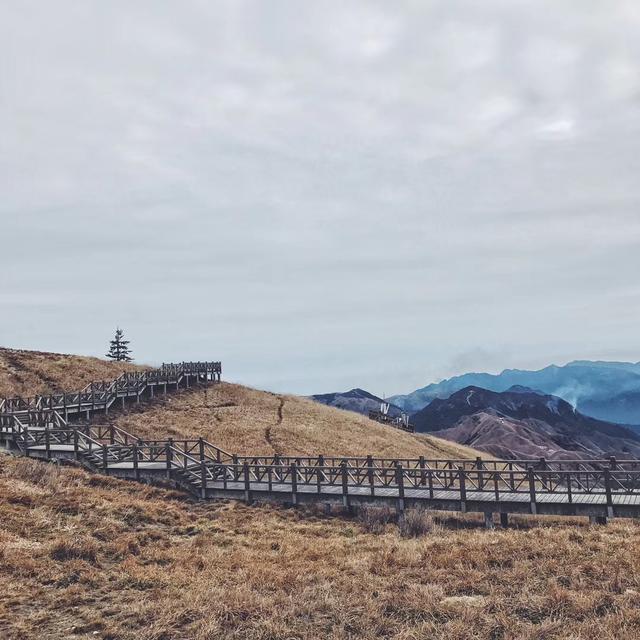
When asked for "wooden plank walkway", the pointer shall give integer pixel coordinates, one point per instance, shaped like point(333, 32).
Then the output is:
point(47, 427)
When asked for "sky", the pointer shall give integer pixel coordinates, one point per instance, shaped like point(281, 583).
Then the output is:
point(322, 194)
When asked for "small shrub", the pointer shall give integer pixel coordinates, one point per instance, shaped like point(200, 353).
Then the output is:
point(375, 519)
point(415, 523)
point(66, 549)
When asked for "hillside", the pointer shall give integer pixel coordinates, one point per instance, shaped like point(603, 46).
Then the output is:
point(84, 556)
point(524, 424)
point(88, 556)
point(247, 421)
point(236, 418)
point(29, 373)
point(608, 391)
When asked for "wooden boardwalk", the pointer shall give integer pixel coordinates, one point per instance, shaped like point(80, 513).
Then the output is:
point(63, 427)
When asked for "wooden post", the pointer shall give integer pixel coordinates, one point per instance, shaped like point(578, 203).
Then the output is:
point(607, 488)
point(371, 474)
point(76, 453)
point(270, 478)
point(532, 490)
point(569, 488)
point(504, 520)
point(136, 471)
point(105, 460)
point(247, 482)
point(430, 482)
point(496, 486)
point(480, 474)
point(203, 479)
point(345, 484)
point(319, 469)
point(423, 475)
point(293, 469)
point(47, 442)
point(400, 483)
point(168, 454)
point(463, 489)
point(112, 434)
point(201, 449)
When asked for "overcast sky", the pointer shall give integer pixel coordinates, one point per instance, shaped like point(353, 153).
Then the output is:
point(322, 194)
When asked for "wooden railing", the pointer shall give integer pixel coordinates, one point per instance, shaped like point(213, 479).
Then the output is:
point(40, 426)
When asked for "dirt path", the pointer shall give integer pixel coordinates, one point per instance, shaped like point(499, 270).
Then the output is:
point(268, 431)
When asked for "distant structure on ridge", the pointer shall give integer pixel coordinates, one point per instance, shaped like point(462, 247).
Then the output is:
point(399, 422)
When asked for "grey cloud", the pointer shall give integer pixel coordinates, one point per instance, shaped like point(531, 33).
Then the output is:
point(323, 194)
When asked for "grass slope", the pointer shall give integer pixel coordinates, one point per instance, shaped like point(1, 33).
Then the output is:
point(87, 556)
point(246, 421)
point(84, 556)
point(29, 373)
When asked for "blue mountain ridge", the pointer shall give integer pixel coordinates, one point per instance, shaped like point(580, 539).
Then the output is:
point(607, 391)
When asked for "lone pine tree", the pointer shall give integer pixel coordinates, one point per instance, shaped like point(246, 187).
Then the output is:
point(119, 349)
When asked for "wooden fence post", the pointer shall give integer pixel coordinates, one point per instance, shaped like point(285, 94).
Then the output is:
point(400, 483)
point(293, 470)
point(247, 482)
point(345, 484)
point(371, 475)
point(607, 488)
point(203, 479)
point(480, 474)
point(136, 470)
point(423, 475)
point(76, 453)
point(532, 490)
point(463, 489)
point(105, 460)
point(47, 442)
point(319, 469)
point(169, 456)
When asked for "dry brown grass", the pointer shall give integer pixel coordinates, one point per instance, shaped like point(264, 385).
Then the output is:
point(86, 556)
point(35, 372)
point(247, 421)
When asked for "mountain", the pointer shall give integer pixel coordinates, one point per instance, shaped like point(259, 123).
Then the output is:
point(609, 391)
point(357, 400)
point(524, 424)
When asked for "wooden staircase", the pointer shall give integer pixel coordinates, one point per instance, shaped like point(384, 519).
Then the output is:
point(64, 426)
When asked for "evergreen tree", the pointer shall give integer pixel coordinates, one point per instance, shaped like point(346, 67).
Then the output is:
point(119, 349)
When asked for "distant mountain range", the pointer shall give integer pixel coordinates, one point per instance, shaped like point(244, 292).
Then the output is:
point(609, 391)
point(521, 423)
point(357, 400)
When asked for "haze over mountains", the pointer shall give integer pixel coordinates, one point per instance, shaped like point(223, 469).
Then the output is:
point(520, 423)
point(609, 391)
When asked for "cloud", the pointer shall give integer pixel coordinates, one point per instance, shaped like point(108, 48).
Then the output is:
point(321, 192)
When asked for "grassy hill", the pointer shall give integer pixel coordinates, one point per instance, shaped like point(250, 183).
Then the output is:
point(247, 421)
point(28, 373)
point(86, 556)
point(236, 418)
